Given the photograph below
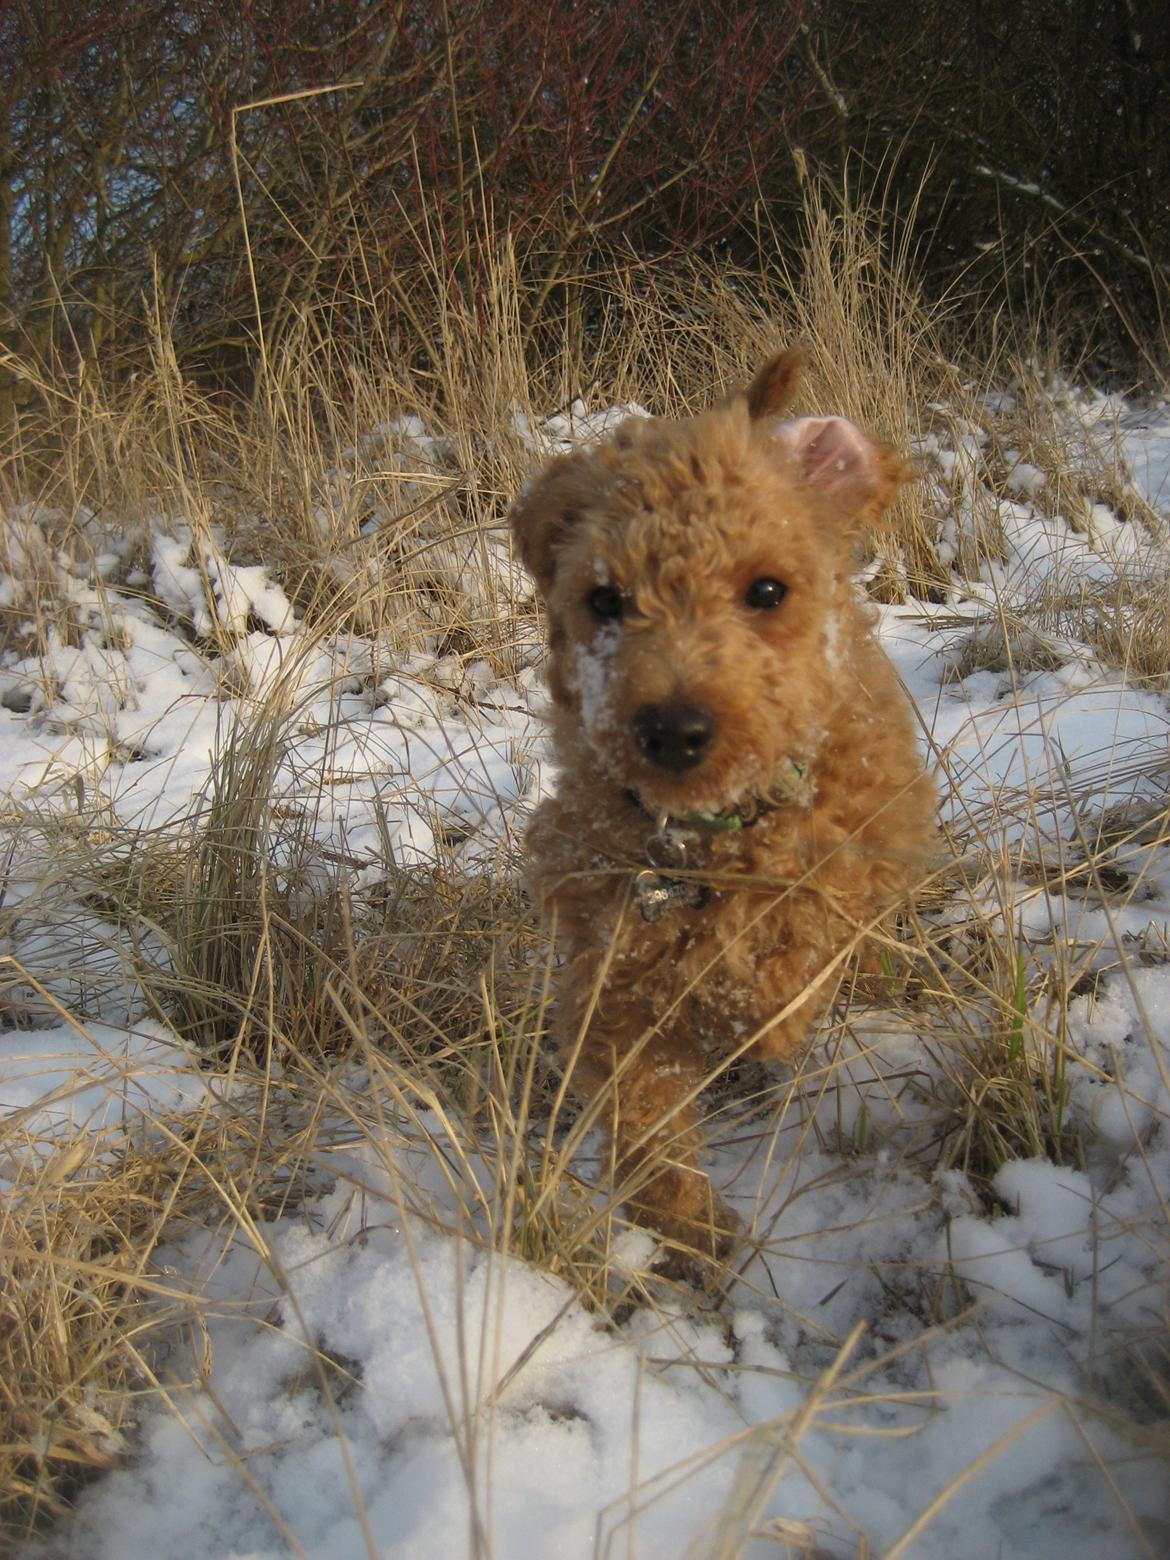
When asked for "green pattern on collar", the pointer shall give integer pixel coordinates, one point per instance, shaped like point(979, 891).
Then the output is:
point(704, 821)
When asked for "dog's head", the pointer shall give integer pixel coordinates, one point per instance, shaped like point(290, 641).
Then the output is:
point(696, 579)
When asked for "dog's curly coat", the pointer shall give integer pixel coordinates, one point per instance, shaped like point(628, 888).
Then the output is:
point(740, 790)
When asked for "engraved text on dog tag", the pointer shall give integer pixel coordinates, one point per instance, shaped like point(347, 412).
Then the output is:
point(655, 895)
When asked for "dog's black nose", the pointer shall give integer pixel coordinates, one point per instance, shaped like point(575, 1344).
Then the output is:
point(674, 736)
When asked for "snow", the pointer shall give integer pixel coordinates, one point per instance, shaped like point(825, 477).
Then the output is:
point(910, 1365)
point(81, 1079)
point(591, 673)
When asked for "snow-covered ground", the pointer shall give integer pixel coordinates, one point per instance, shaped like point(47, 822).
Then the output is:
point(908, 1366)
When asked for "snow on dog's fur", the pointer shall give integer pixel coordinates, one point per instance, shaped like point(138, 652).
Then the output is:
point(741, 794)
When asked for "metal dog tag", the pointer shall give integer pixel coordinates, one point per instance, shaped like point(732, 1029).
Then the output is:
point(655, 895)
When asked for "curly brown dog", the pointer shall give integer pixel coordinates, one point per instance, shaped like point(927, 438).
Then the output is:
point(740, 791)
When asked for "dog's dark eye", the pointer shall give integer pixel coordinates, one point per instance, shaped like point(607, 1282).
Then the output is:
point(606, 603)
point(765, 595)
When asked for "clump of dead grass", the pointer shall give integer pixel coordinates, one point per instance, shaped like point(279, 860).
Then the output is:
point(66, 1382)
point(83, 1298)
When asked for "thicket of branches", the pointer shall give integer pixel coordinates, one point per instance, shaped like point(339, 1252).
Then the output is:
point(395, 143)
point(129, 155)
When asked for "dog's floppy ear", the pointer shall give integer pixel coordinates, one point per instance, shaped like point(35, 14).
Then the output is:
point(774, 386)
point(831, 456)
point(543, 514)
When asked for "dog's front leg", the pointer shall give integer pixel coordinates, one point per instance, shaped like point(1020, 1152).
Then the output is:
point(648, 1085)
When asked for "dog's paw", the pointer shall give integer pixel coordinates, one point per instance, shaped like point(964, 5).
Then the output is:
point(700, 1251)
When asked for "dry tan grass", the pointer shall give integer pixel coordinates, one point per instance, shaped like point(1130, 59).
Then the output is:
point(83, 1300)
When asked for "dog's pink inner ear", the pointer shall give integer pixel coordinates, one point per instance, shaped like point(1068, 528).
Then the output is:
point(831, 455)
